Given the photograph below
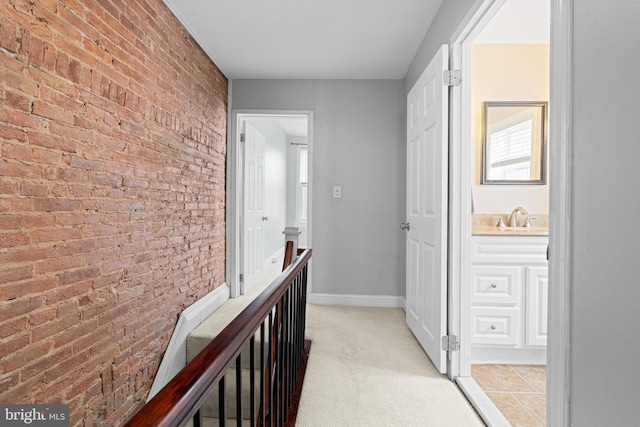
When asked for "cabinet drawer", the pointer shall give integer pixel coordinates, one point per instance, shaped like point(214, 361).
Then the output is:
point(503, 250)
point(495, 285)
point(494, 325)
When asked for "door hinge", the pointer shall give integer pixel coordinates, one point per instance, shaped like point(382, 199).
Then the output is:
point(450, 343)
point(242, 137)
point(452, 77)
point(241, 277)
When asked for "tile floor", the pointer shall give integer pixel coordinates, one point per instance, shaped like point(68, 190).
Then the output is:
point(519, 391)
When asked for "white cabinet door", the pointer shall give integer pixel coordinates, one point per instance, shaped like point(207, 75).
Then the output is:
point(427, 160)
point(536, 311)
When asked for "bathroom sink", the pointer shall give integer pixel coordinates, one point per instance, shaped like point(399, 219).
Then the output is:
point(522, 230)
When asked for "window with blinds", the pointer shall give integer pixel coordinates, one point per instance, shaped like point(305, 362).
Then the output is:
point(510, 152)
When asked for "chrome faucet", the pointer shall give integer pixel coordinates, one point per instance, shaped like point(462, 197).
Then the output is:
point(513, 219)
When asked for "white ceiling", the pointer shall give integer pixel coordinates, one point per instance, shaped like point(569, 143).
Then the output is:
point(294, 126)
point(308, 39)
point(334, 39)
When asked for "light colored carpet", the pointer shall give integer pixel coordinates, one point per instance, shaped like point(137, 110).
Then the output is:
point(214, 324)
point(366, 369)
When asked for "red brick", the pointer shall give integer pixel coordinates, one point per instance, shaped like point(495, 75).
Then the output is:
point(75, 71)
point(49, 60)
point(77, 332)
point(61, 99)
point(28, 354)
point(46, 365)
point(17, 101)
point(26, 255)
point(50, 205)
point(56, 235)
point(11, 133)
point(16, 273)
point(70, 132)
point(14, 344)
point(9, 240)
point(76, 247)
point(20, 170)
point(17, 221)
point(49, 329)
point(100, 188)
point(78, 275)
point(11, 327)
point(23, 391)
point(51, 265)
point(42, 316)
point(8, 35)
point(36, 51)
point(52, 112)
point(19, 118)
point(21, 289)
point(51, 141)
point(34, 189)
point(30, 154)
point(96, 50)
point(62, 65)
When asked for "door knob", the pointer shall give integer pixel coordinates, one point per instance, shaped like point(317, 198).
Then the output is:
point(405, 226)
point(265, 218)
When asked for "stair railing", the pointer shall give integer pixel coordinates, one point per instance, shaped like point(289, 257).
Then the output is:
point(277, 313)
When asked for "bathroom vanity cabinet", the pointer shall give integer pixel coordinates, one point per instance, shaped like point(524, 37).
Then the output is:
point(508, 295)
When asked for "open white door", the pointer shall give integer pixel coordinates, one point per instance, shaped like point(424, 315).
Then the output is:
point(427, 179)
point(254, 215)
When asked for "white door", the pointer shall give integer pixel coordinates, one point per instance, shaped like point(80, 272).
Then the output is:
point(254, 215)
point(427, 161)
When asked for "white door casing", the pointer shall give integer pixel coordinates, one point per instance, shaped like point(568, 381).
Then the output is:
point(560, 166)
point(427, 183)
point(254, 215)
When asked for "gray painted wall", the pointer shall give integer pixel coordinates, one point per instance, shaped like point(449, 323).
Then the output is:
point(605, 289)
point(446, 21)
point(358, 143)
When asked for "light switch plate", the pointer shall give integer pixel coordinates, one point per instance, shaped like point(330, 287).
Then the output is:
point(337, 192)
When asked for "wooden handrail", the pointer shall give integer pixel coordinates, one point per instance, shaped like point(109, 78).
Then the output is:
point(288, 255)
point(181, 398)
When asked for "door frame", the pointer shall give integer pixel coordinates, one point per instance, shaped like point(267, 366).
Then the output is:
point(235, 205)
point(560, 129)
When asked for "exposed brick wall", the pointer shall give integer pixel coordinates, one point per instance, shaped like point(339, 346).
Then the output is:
point(112, 198)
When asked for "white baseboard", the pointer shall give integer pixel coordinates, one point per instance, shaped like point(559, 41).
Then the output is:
point(509, 356)
point(404, 304)
point(175, 358)
point(356, 300)
point(274, 257)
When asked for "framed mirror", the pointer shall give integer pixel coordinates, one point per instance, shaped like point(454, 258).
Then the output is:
point(514, 143)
